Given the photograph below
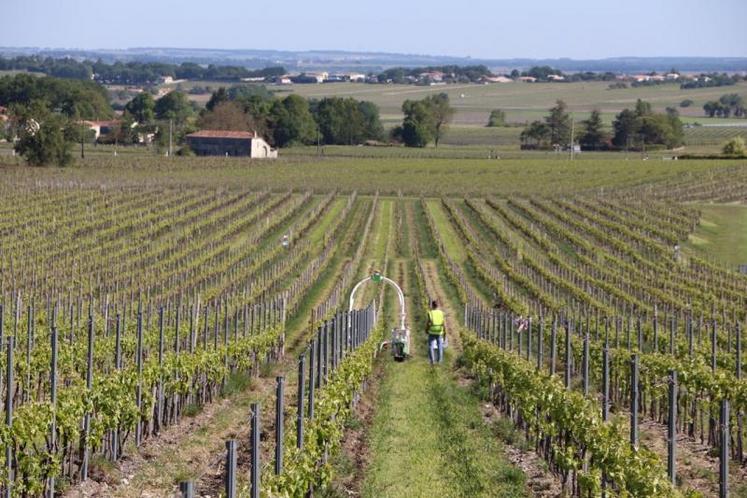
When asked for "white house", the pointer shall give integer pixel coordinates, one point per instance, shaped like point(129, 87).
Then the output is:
point(496, 79)
point(230, 143)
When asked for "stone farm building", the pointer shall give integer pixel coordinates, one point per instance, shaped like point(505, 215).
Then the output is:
point(230, 143)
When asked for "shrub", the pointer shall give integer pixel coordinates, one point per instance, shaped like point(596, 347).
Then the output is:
point(735, 147)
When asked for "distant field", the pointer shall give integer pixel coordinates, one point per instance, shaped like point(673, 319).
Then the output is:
point(521, 101)
point(535, 175)
point(708, 135)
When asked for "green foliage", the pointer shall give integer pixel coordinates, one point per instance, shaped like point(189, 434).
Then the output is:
point(306, 468)
point(497, 118)
point(572, 421)
point(728, 105)
point(173, 106)
point(641, 126)
point(555, 130)
point(425, 120)
point(735, 147)
point(594, 136)
point(347, 121)
point(291, 121)
point(41, 137)
point(142, 108)
point(73, 98)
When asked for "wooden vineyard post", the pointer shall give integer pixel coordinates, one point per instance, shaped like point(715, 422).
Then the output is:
point(118, 367)
point(553, 345)
point(713, 346)
point(634, 401)
point(672, 429)
point(87, 417)
point(53, 401)
point(568, 355)
point(300, 398)
point(529, 339)
point(639, 330)
point(9, 412)
point(29, 347)
point(585, 366)
point(312, 372)
point(139, 390)
point(231, 468)
point(724, 450)
point(187, 488)
point(255, 462)
point(540, 343)
point(738, 367)
point(160, 394)
point(279, 425)
point(689, 326)
point(605, 384)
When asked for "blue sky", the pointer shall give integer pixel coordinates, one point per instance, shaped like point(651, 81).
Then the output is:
point(478, 28)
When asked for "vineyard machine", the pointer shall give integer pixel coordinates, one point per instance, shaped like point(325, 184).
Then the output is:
point(400, 340)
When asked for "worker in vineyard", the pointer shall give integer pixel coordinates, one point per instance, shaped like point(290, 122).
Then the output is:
point(436, 329)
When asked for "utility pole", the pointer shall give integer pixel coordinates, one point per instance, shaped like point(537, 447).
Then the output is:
point(573, 141)
point(82, 139)
point(171, 134)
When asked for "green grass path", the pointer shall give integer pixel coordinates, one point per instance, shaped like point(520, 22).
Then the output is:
point(428, 437)
point(722, 233)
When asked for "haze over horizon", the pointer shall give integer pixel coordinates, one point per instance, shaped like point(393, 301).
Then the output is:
point(581, 29)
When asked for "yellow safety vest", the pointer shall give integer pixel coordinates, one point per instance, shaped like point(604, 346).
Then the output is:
point(436, 318)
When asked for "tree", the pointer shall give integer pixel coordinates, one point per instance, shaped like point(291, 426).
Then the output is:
point(220, 95)
point(594, 137)
point(644, 127)
point(226, 115)
point(346, 120)
point(559, 124)
point(732, 103)
point(626, 126)
point(497, 118)
point(643, 108)
point(418, 127)
point(712, 108)
point(441, 114)
point(735, 147)
point(85, 99)
point(425, 120)
point(538, 133)
point(41, 139)
point(291, 121)
point(142, 107)
point(174, 106)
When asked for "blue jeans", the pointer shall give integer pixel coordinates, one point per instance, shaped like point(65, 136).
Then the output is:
point(436, 348)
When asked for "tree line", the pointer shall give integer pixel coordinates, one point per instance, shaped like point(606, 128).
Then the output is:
point(132, 73)
point(731, 104)
point(635, 128)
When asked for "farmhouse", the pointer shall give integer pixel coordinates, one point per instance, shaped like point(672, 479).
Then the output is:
point(496, 79)
point(230, 143)
point(101, 127)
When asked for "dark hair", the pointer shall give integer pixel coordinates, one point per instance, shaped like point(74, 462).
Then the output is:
point(434, 304)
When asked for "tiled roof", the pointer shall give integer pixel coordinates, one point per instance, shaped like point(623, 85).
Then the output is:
point(220, 134)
